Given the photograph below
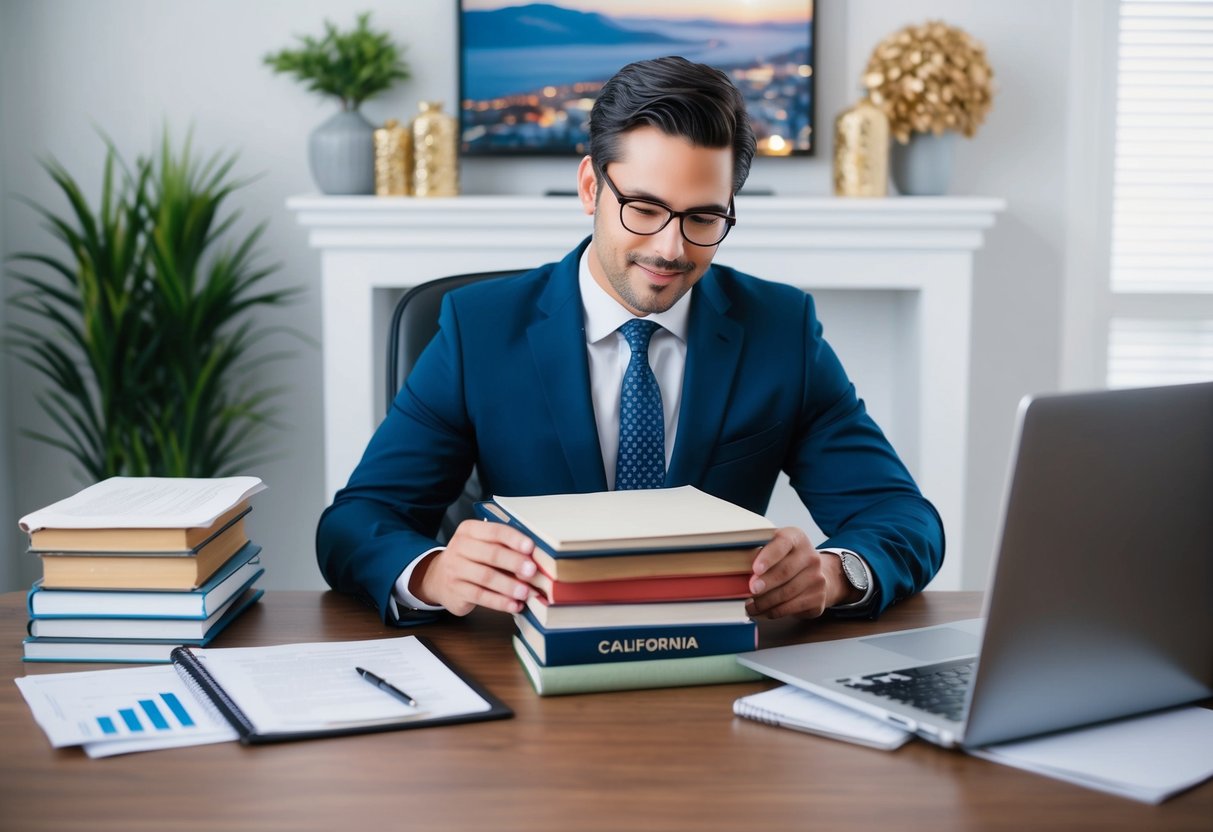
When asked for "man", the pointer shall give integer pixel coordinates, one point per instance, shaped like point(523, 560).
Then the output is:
point(528, 377)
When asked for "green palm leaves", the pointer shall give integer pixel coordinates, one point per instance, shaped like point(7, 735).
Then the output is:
point(145, 337)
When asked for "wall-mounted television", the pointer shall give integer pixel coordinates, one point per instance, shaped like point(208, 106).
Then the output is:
point(529, 72)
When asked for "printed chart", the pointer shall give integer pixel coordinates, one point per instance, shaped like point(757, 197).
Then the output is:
point(109, 706)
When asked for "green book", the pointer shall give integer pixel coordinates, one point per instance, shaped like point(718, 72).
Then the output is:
point(650, 673)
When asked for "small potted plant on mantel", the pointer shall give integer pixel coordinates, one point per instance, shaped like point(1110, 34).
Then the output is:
point(353, 66)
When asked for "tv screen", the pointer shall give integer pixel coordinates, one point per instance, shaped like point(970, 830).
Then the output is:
point(529, 72)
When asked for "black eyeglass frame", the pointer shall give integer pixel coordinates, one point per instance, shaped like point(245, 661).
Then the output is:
point(730, 218)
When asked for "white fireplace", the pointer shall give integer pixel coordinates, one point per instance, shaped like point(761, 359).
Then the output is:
point(892, 279)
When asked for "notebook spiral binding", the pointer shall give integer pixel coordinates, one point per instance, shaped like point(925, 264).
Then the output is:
point(208, 691)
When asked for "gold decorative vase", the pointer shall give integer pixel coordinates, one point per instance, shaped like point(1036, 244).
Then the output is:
point(435, 152)
point(861, 151)
point(393, 160)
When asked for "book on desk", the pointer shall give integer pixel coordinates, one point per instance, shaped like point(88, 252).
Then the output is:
point(133, 566)
point(641, 588)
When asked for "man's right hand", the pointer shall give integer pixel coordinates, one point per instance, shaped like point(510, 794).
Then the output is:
point(485, 564)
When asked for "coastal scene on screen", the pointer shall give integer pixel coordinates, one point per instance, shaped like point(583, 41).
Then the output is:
point(530, 71)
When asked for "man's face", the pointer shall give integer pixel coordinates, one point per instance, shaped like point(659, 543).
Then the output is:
point(650, 273)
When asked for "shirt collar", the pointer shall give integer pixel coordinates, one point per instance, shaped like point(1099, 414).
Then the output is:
point(604, 314)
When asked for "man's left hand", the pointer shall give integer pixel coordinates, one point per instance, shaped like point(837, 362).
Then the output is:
point(792, 578)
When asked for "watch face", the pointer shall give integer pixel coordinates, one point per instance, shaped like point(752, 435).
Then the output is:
point(855, 572)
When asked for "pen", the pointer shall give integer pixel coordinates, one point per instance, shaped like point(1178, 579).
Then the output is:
point(386, 686)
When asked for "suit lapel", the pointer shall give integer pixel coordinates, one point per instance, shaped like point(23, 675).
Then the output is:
point(713, 353)
point(557, 342)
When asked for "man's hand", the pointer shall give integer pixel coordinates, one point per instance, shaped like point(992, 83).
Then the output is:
point(793, 578)
point(485, 564)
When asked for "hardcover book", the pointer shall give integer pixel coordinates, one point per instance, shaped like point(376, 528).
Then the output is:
point(619, 522)
point(129, 514)
point(229, 580)
point(180, 630)
point(155, 540)
point(623, 644)
point(654, 673)
point(179, 571)
point(676, 588)
point(566, 616)
point(128, 650)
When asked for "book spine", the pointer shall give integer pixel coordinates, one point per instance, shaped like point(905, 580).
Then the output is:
point(684, 588)
point(593, 645)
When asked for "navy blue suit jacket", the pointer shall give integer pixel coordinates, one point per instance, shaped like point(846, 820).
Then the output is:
point(505, 386)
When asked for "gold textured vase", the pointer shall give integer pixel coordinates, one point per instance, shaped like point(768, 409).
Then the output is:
point(861, 151)
point(435, 152)
point(393, 160)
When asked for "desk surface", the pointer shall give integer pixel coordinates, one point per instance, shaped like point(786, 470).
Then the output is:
point(662, 759)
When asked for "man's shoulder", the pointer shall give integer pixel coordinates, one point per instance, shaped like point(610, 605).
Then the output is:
point(747, 290)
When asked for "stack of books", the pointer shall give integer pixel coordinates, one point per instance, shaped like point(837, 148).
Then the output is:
point(133, 567)
point(640, 589)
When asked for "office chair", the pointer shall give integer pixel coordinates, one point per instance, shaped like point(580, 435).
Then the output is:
point(414, 324)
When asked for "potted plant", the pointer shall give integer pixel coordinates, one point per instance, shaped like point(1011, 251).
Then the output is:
point(145, 336)
point(932, 81)
point(353, 66)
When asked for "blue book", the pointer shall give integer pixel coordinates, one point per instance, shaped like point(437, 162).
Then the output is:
point(240, 570)
point(131, 650)
point(594, 645)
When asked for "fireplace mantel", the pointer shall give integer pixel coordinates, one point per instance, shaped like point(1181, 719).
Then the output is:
point(893, 279)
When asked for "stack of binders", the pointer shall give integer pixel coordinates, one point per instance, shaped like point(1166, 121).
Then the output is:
point(640, 589)
point(115, 591)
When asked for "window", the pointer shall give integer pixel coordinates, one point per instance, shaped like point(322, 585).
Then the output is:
point(1158, 315)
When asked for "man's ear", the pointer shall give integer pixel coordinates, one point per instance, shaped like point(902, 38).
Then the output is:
point(587, 185)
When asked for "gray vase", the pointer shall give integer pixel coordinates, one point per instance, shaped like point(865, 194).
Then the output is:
point(341, 152)
point(924, 166)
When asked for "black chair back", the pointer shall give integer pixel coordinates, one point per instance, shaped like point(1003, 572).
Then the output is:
point(414, 324)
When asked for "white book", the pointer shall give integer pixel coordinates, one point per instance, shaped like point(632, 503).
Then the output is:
point(619, 521)
point(791, 707)
point(647, 614)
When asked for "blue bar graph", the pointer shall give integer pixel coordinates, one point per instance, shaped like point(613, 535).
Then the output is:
point(107, 725)
point(179, 711)
point(153, 713)
point(131, 719)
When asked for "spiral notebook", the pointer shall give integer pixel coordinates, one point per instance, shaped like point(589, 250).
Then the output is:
point(791, 707)
point(305, 691)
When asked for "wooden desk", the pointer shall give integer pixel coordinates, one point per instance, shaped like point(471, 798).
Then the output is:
point(663, 759)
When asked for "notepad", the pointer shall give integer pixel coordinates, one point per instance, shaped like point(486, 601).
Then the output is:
point(304, 691)
point(791, 707)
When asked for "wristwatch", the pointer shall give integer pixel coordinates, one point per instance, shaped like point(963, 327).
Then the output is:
point(852, 567)
point(856, 572)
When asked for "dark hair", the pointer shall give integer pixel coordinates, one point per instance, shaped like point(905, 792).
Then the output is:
point(680, 98)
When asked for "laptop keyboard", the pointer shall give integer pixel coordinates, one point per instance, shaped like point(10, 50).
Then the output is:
point(936, 688)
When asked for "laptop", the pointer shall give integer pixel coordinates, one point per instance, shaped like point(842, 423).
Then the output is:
point(1100, 602)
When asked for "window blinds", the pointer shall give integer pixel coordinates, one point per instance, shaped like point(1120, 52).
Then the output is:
point(1161, 276)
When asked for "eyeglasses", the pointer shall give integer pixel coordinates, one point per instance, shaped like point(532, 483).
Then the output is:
point(646, 217)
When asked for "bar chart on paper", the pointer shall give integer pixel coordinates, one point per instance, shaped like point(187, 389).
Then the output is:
point(104, 705)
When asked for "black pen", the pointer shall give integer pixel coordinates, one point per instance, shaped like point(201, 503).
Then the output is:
point(386, 686)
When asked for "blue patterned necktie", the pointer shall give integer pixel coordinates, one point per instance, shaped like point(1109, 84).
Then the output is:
point(641, 459)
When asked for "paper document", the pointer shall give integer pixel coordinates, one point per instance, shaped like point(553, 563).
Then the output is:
point(791, 707)
point(144, 503)
point(133, 709)
point(1146, 758)
point(290, 687)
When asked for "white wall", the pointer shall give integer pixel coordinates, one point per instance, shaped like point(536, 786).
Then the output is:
point(129, 67)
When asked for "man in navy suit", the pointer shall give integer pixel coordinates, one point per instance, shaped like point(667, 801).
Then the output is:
point(527, 376)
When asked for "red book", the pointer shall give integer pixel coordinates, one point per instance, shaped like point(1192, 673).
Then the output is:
point(678, 588)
